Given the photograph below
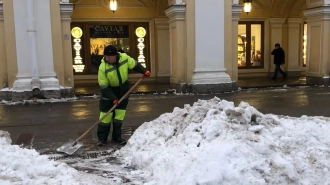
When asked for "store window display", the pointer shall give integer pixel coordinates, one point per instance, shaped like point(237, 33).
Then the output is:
point(250, 45)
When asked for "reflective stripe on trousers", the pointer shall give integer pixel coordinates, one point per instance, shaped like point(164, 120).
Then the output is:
point(118, 117)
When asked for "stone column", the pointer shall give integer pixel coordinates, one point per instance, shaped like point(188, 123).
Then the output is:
point(176, 14)
point(66, 10)
point(210, 44)
point(34, 49)
point(236, 11)
point(276, 26)
point(3, 62)
point(163, 50)
point(210, 74)
point(294, 57)
point(318, 44)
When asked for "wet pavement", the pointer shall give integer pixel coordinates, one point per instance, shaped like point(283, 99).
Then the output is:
point(45, 126)
point(151, 88)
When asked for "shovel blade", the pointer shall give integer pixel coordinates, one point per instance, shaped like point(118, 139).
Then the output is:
point(69, 148)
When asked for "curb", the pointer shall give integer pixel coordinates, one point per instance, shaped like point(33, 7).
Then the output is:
point(241, 87)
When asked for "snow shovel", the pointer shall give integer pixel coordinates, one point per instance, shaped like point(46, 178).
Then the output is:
point(72, 146)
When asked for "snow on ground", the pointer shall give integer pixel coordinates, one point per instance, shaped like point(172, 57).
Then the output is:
point(214, 142)
point(210, 142)
point(25, 166)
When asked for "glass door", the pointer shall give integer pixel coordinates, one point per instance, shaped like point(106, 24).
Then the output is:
point(250, 45)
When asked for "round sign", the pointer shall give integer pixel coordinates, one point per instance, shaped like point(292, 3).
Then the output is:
point(76, 32)
point(140, 32)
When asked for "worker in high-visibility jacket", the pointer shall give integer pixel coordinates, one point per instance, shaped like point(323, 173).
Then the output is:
point(113, 80)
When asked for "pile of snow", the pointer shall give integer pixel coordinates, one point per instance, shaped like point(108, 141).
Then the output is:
point(24, 166)
point(214, 142)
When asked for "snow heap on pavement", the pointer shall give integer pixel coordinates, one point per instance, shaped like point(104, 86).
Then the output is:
point(214, 142)
point(24, 166)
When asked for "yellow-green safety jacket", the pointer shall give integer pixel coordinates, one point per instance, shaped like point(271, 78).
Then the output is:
point(113, 78)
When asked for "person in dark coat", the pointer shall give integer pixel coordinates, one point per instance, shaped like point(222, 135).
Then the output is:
point(279, 59)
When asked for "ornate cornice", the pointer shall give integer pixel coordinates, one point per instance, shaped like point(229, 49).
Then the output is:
point(236, 10)
point(317, 14)
point(176, 12)
point(1, 8)
point(66, 10)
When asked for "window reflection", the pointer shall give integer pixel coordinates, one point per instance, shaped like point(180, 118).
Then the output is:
point(250, 46)
point(255, 45)
point(241, 45)
point(97, 46)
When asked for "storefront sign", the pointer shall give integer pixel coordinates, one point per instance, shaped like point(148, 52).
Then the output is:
point(140, 33)
point(77, 32)
point(107, 31)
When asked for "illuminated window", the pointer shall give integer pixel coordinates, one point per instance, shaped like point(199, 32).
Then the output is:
point(305, 45)
point(104, 35)
point(250, 45)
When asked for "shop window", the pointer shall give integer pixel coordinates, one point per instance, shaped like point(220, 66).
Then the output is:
point(122, 35)
point(305, 45)
point(104, 35)
point(250, 45)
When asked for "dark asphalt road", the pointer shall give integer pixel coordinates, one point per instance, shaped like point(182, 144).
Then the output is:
point(46, 126)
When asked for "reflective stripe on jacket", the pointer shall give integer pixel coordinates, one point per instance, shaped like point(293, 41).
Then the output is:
point(114, 75)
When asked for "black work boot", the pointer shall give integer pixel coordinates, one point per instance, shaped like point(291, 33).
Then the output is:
point(102, 134)
point(116, 134)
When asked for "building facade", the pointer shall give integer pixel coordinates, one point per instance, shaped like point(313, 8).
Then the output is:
point(49, 46)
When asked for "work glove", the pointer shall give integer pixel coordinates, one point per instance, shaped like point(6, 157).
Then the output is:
point(115, 102)
point(147, 74)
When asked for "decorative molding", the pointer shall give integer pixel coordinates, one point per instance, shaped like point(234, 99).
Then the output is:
point(138, 3)
point(162, 24)
point(314, 3)
point(66, 10)
point(236, 10)
point(317, 14)
point(176, 12)
point(104, 19)
point(79, 3)
point(277, 23)
point(174, 2)
point(295, 20)
point(124, 4)
point(277, 20)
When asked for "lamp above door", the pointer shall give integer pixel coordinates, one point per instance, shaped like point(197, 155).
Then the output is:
point(113, 5)
point(247, 6)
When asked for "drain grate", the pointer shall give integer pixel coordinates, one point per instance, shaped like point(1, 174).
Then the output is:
point(87, 155)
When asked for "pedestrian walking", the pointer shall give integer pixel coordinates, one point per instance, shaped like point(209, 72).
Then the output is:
point(113, 81)
point(279, 59)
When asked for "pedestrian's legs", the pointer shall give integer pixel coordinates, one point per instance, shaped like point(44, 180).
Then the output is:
point(277, 67)
point(281, 71)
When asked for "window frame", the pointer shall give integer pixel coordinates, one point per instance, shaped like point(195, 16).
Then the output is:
point(248, 46)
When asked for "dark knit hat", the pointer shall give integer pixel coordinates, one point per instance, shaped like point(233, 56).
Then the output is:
point(110, 50)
